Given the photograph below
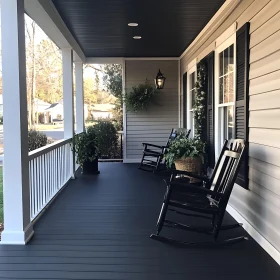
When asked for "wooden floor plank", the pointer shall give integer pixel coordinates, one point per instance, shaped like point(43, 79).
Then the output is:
point(99, 227)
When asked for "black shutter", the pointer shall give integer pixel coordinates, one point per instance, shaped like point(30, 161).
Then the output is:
point(185, 100)
point(242, 96)
point(210, 111)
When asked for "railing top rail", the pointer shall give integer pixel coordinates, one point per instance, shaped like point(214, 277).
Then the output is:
point(44, 150)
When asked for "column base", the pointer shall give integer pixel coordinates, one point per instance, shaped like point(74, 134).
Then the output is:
point(14, 237)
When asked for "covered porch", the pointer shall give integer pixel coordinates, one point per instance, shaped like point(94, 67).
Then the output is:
point(79, 227)
point(99, 227)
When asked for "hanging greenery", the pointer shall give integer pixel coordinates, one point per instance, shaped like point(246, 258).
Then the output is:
point(199, 108)
point(140, 97)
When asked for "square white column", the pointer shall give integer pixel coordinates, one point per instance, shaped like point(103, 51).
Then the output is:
point(68, 99)
point(80, 117)
point(68, 93)
point(17, 226)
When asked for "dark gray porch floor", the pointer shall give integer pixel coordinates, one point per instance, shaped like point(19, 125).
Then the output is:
point(99, 227)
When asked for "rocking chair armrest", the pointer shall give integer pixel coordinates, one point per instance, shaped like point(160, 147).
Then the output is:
point(153, 145)
point(184, 187)
point(190, 174)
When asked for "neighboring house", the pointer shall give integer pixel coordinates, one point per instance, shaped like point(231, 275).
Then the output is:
point(40, 106)
point(54, 112)
point(102, 111)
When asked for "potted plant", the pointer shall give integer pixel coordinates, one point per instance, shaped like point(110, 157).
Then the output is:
point(85, 147)
point(186, 154)
point(140, 97)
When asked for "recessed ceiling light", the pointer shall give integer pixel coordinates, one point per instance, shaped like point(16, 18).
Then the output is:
point(133, 24)
point(137, 37)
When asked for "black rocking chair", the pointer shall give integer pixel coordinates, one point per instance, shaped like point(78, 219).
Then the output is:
point(153, 154)
point(206, 203)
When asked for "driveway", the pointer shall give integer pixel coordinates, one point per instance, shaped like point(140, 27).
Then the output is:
point(57, 134)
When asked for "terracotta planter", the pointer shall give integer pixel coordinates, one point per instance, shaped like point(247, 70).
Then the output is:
point(192, 165)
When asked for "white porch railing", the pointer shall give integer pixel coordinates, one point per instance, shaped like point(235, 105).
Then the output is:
point(50, 168)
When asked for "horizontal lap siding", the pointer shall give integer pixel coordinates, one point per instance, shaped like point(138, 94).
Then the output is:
point(154, 124)
point(260, 205)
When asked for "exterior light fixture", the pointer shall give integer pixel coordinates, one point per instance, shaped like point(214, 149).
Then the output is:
point(133, 24)
point(137, 37)
point(159, 80)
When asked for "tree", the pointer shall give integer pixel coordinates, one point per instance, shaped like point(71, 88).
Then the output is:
point(31, 69)
point(113, 79)
point(113, 82)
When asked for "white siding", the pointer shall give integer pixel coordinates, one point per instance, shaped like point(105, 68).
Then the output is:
point(260, 205)
point(153, 125)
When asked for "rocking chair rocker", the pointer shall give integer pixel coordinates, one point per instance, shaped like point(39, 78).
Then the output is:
point(208, 203)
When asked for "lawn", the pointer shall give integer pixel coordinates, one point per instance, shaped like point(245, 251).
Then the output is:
point(48, 126)
point(1, 195)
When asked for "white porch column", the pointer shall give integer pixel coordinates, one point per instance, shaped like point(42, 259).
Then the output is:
point(68, 95)
point(68, 98)
point(18, 229)
point(80, 118)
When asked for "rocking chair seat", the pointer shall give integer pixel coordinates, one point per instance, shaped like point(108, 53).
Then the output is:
point(202, 206)
point(152, 153)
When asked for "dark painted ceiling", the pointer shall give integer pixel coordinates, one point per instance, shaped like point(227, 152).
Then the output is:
point(167, 27)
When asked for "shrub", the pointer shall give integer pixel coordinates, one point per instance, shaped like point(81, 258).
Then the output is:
point(107, 138)
point(85, 146)
point(36, 140)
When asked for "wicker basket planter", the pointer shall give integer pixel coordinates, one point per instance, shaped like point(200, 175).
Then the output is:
point(191, 165)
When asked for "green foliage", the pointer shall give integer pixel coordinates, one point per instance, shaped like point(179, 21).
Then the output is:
point(183, 147)
point(199, 108)
point(36, 140)
point(118, 115)
point(113, 82)
point(140, 97)
point(85, 146)
point(113, 79)
point(107, 138)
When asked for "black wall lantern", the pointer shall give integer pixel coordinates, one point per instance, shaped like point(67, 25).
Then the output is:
point(159, 80)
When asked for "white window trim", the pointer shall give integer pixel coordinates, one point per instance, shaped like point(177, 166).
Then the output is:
point(190, 120)
point(218, 120)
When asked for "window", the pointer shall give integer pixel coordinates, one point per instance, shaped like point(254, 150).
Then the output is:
point(191, 98)
point(225, 91)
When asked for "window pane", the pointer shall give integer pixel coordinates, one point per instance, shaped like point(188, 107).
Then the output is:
point(226, 88)
point(230, 88)
point(221, 90)
point(193, 80)
point(221, 64)
point(193, 97)
point(231, 60)
point(230, 122)
point(226, 61)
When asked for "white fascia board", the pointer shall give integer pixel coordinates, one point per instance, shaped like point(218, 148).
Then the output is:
point(44, 13)
point(227, 8)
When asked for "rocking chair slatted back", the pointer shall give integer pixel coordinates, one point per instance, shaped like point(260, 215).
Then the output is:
point(227, 165)
point(224, 179)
